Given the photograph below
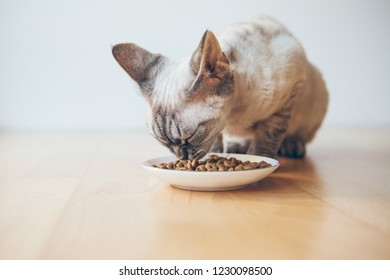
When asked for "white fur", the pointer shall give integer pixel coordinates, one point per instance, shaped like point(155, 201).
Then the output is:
point(171, 83)
point(194, 113)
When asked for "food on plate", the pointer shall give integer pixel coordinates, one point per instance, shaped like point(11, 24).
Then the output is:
point(211, 164)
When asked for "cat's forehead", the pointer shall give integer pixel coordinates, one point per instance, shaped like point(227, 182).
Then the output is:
point(206, 107)
point(172, 83)
point(190, 115)
point(195, 113)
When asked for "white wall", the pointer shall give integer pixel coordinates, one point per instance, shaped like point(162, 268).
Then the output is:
point(57, 71)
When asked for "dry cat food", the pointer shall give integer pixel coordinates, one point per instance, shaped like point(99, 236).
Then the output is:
point(213, 163)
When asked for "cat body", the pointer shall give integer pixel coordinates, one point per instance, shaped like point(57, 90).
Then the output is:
point(250, 89)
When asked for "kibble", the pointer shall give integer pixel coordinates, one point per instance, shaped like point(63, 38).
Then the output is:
point(212, 164)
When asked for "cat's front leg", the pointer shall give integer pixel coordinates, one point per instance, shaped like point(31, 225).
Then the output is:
point(217, 146)
point(236, 145)
point(233, 145)
point(268, 134)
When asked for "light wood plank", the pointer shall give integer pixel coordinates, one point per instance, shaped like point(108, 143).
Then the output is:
point(334, 204)
point(29, 210)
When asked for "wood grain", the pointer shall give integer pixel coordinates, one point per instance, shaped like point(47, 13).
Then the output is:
point(85, 196)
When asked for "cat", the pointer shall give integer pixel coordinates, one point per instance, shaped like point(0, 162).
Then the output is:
point(249, 90)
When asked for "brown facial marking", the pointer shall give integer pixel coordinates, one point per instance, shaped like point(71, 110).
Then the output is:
point(140, 64)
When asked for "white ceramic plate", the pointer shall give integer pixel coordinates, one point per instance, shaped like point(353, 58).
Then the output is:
point(211, 181)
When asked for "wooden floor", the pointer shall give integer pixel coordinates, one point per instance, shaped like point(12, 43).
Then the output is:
point(85, 196)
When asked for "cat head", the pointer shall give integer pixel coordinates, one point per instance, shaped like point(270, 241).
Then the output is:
point(188, 99)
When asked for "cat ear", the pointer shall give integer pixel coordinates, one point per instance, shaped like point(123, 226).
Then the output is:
point(139, 63)
point(208, 61)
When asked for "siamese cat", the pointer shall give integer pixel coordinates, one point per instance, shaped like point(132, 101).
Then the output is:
point(249, 90)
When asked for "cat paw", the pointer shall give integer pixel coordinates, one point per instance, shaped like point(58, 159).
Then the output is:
point(292, 147)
